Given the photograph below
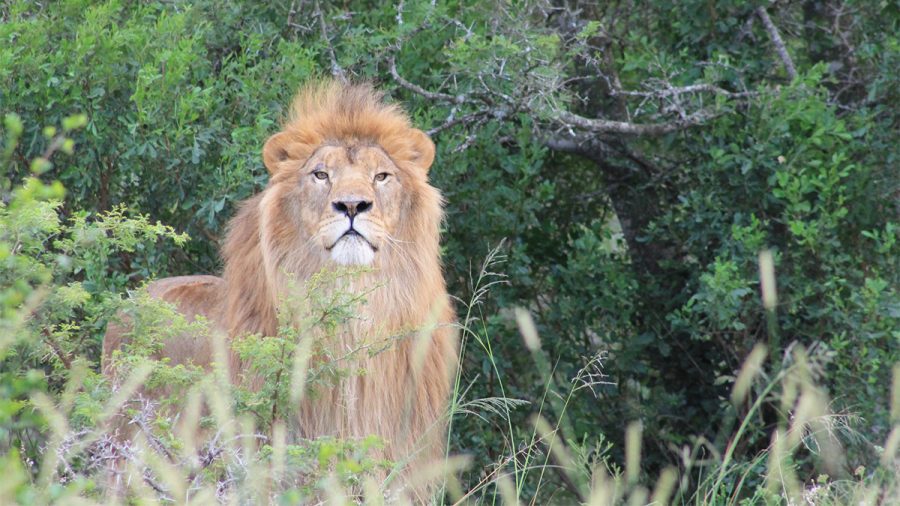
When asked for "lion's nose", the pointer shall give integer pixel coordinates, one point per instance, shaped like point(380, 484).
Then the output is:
point(351, 207)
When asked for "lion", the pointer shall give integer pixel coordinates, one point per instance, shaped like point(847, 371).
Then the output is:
point(348, 187)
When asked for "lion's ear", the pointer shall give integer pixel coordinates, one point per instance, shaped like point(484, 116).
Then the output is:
point(423, 149)
point(278, 149)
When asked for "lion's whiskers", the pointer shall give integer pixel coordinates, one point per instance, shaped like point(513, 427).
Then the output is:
point(397, 245)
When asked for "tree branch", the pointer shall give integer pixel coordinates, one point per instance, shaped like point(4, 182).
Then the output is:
point(571, 119)
point(431, 95)
point(679, 108)
point(581, 145)
point(57, 349)
point(683, 90)
point(452, 121)
point(779, 44)
point(626, 128)
point(336, 69)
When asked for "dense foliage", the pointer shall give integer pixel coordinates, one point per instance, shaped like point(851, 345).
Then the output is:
point(634, 243)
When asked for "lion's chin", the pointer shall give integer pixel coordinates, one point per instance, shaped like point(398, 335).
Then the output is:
point(352, 250)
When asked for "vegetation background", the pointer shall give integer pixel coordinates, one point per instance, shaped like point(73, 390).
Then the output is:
point(620, 164)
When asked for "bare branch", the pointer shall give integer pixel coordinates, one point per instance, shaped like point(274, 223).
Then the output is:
point(779, 44)
point(57, 349)
point(453, 121)
point(431, 95)
point(336, 69)
point(587, 146)
point(399, 13)
point(684, 90)
point(140, 419)
point(626, 128)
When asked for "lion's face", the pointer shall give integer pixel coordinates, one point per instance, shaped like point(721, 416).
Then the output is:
point(345, 203)
point(355, 196)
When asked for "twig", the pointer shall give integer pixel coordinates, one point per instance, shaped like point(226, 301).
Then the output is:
point(779, 44)
point(400, 13)
point(336, 69)
point(291, 13)
point(431, 95)
point(163, 493)
point(451, 122)
point(493, 474)
point(140, 419)
point(213, 451)
point(57, 350)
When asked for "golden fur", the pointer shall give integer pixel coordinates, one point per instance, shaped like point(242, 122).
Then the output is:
point(370, 155)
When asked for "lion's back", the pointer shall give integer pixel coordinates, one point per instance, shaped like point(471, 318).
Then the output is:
point(193, 296)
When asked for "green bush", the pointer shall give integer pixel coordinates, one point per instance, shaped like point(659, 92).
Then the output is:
point(640, 264)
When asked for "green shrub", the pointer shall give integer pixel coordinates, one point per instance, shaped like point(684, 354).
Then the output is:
point(157, 112)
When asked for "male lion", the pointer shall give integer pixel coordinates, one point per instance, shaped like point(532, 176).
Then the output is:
point(348, 186)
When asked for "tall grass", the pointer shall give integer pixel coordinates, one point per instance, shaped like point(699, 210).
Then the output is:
point(205, 450)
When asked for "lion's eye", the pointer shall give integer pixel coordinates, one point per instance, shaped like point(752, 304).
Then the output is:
point(381, 176)
point(320, 175)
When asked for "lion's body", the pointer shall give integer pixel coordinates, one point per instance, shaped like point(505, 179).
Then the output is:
point(296, 228)
point(193, 296)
